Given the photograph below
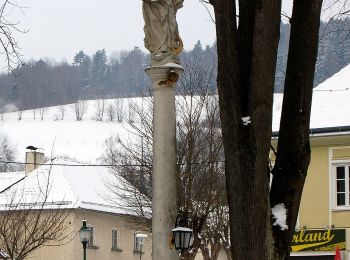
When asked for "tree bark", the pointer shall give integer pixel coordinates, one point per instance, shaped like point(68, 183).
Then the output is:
point(246, 68)
point(293, 151)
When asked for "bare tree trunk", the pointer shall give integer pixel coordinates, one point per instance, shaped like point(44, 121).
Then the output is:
point(42, 112)
point(228, 253)
point(211, 254)
point(100, 108)
point(80, 109)
point(293, 151)
point(19, 114)
point(61, 111)
point(246, 69)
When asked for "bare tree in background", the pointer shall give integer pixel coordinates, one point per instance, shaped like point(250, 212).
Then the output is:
point(27, 225)
point(19, 114)
point(131, 111)
point(201, 181)
point(80, 107)
point(9, 45)
point(8, 153)
point(100, 108)
point(111, 112)
point(133, 192)
point(61, 111)
point(42, 112)
point(216, 234)
point(119, 107)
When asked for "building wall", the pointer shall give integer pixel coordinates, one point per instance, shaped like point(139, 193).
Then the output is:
point(317, 205)
point(318, 209)
point(316, 191)
point(103, 223)
point(58, 252)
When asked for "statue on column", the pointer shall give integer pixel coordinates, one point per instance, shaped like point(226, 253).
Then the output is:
point(162, 37)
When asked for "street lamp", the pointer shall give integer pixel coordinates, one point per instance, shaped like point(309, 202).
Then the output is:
point(182, 238)
point(84, 234)
point(141, 240)
point(182, 234)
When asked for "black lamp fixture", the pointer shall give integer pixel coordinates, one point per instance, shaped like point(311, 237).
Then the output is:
point(84, 234)
point(182, 234)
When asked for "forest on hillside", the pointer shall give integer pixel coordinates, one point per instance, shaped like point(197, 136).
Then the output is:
point(42, 83)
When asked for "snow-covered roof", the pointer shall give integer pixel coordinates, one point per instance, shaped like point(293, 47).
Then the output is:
point(330, 103)
point(9, 178)
point(81, 187)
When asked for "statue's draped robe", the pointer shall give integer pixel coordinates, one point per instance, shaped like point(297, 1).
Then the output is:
point(161, 31)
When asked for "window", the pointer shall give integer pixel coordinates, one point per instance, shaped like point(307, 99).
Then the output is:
point(92, 237)
point(115, 240)
point(136, 244)
point(342, 185)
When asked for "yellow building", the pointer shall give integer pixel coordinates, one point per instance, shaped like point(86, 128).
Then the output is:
point(324, 214)
point(81, 192)
point(112, 237)
point(325, 203)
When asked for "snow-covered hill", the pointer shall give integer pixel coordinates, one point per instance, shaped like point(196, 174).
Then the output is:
point(84, 140)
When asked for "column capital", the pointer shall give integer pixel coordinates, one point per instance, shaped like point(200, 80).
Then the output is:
point(166, 75)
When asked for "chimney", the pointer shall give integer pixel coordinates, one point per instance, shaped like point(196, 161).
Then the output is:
point(34, 159)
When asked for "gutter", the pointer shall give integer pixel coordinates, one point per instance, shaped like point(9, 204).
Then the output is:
point(324, 131)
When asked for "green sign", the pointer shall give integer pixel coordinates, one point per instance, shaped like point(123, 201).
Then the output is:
point(318, 240)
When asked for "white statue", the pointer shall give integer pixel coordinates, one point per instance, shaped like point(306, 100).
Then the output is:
point(161, 31)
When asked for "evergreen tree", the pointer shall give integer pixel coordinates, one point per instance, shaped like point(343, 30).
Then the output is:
point(13, 95)
point(79, 58)
point(99, 72)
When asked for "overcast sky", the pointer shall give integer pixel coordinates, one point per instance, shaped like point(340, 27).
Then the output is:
point(60, 28)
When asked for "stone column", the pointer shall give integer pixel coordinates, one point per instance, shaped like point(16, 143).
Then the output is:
point(164, 204)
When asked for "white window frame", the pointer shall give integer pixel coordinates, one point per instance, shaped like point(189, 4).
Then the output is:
point(117, 246)
point(93, 236)
point(136, 243)
point(335, 164)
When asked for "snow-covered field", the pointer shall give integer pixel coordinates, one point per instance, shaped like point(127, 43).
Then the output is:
point(84, 140)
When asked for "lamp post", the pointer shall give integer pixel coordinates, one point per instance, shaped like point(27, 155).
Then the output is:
point(84, 234)
point(182, 234)
point(182, 238)
point(141, 240)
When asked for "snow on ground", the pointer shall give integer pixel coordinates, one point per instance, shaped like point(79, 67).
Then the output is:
point(83, 140)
